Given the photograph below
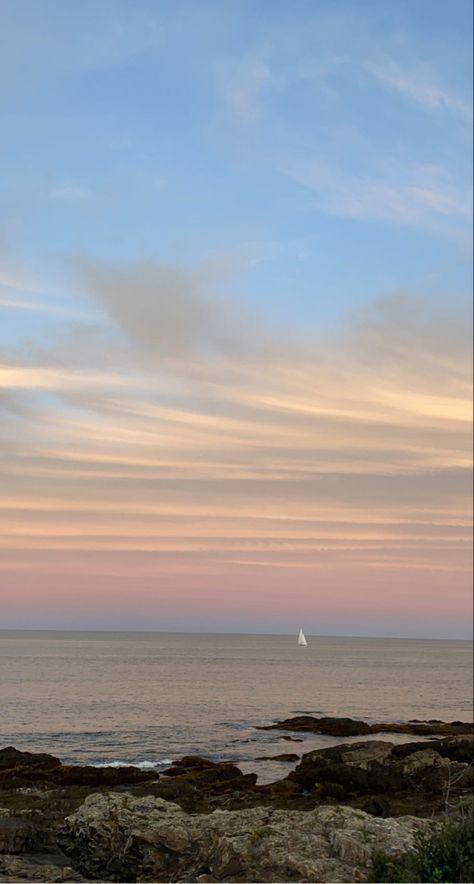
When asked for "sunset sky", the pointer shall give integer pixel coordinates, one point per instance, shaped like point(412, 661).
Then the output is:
point(235, 285)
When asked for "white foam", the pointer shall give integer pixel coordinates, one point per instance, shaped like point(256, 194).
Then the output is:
point(142, 765)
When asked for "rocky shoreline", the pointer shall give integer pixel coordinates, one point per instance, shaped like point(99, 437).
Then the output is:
point(208, 821)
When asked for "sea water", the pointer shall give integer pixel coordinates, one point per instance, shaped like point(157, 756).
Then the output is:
point(147, 698)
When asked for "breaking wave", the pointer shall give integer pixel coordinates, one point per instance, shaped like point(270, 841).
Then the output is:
point(142, 765)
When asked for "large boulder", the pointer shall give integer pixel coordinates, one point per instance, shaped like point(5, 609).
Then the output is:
point(122, 838)
point(394, 781)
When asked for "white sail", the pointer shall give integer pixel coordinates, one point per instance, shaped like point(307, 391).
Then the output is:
point(302, 639)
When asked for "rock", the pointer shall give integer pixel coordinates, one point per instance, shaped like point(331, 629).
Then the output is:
point(376, 807)
point(11, 758)
point(100, 777)
point(374, 775)
point(425, 728)
point(200, 785)
point(24, 768)
point(37, 867)
point(28, 769)
point(459, 748)
point(124, 838)
point(191, 762)
point(335, 727)
point(363, 755)
point(16, 834)
point(378, 777)
point(417, 761)
point(285, 756)
point(204, 773)
point(292, 739)
point(213, 773)
point(350, 727)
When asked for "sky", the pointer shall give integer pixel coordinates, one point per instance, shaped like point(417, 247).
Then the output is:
point(235, 287)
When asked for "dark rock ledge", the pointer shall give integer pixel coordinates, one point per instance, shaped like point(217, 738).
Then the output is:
point(350, 727)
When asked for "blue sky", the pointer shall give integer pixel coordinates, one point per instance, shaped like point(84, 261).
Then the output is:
point(235, 284)
point(318, 152)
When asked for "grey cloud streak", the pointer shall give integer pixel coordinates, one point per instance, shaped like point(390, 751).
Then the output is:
point(167, 311)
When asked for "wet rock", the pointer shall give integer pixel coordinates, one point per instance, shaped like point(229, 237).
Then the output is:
point(122, 838)
point(190, 763)
point(29, 770)
point(285, 756)
point(335, 727)
point(101, 777)
point(350, 727)
point(209, 773)
point(11, 758)
point(425, 728)
point(25, 768)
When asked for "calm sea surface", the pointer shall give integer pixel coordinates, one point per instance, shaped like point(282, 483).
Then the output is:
point(146, 698)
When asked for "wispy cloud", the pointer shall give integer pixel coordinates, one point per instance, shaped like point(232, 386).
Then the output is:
point(326, 77)
point(48, 307)
point(351, 453)
point(417, 83)
point(20, 292)
point(383, 190)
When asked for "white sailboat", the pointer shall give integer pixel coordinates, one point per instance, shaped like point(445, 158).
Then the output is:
point(302, 640)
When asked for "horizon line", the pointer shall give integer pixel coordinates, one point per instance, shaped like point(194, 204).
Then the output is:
point(217, 633)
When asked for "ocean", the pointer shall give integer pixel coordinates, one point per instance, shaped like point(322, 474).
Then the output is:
point(148, 698)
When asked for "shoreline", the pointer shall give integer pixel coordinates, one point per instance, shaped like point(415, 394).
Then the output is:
point(261, 753)
point(50, 811)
